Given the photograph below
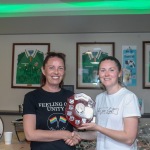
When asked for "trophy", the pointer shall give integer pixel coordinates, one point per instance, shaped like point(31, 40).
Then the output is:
point(79, 109)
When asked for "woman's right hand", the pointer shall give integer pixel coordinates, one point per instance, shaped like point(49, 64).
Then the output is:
point(75, 139)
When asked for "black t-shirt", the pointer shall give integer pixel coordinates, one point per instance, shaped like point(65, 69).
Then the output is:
point(49, 109)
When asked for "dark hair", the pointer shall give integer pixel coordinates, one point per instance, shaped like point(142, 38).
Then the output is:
point(113, 59)
point(48, 56)
point(117, 64)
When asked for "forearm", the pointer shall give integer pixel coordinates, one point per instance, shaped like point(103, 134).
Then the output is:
point(120, 136)
point(88, 135)
point(47, 136)
point(127, 135)
point(33, 134)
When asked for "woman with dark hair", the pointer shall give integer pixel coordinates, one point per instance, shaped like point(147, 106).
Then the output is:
point(117, 111)
point(44, 120)
point(49, 55)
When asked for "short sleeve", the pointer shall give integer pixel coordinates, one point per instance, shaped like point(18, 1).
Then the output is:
point(28, 106)
point(131, 106)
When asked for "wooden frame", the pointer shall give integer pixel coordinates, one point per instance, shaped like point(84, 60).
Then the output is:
point(1, 127)
point(27, 60)
point(88, 56)
point(146, 64)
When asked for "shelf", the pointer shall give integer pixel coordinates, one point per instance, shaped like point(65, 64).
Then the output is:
point(10, 112)
point(15, 112)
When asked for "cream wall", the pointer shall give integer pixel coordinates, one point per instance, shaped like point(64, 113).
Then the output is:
point(10, 98)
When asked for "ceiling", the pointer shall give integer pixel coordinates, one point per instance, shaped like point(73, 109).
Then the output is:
point(73, 16)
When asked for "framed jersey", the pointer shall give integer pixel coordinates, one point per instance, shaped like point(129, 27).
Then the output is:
point(89, 55)
point(27, 60)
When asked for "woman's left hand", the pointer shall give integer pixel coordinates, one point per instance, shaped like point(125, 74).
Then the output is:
point(88, 126)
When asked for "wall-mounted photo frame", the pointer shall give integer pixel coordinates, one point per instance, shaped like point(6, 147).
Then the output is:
point(88, 57)
point(27, 60)
point(1, 127)
point(146, 64)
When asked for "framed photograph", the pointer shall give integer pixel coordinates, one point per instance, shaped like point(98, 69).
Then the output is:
point(88, 58)
point(146, 64)
point(27, 60)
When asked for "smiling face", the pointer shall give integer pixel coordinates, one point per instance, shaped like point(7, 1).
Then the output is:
point(109, 74)
point(54, 71)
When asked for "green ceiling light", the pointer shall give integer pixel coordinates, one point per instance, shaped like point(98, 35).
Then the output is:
point(87, 7)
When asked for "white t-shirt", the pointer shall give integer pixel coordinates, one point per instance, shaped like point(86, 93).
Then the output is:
point(110, 111)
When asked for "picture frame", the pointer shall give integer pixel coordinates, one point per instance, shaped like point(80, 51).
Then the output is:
point(88, 56)
point(1, 127)
point(27, 60)
point(146, 64)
